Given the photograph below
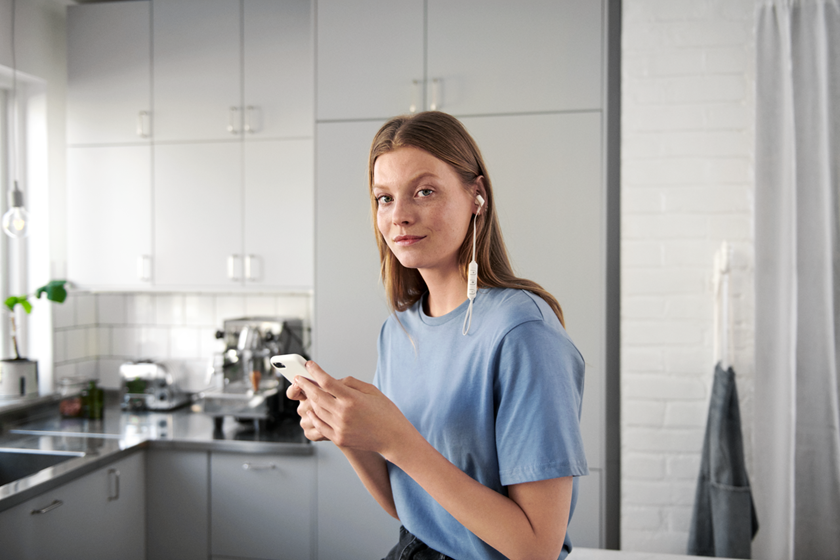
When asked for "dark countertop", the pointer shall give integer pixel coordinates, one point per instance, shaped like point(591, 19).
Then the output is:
point(120, 433)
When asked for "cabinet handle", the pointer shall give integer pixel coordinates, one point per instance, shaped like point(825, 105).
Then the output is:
point(114, 474)
point(144, 268)
point(233, 116)
point(49, 508)
point(249, 268)
point(435, 94)
point(142, 129)
point(232, 267)
point(249, 117)
point(416, 90)
point(253, 467)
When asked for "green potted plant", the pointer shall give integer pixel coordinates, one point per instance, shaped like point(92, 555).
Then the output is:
point(18, 375)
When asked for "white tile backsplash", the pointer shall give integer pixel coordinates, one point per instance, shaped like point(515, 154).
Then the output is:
point(199, 310)
point(110, 309)
point(169, 309)
point(260, 306)
point(93, 334)
point(85, 309)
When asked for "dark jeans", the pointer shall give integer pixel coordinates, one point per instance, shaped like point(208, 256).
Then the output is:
point(412, 548)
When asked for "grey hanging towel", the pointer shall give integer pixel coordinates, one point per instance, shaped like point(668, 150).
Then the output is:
point(723, 522)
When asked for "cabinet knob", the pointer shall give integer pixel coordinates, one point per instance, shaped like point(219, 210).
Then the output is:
point(113, 474)
point(416, 92)
point(250, 119)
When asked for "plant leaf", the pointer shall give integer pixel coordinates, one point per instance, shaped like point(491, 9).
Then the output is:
point(22, 300)
point(55, 291)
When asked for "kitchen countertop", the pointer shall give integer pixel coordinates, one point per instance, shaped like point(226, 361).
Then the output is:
point(94, 443)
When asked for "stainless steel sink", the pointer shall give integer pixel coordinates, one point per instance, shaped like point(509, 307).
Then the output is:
point(17, 464)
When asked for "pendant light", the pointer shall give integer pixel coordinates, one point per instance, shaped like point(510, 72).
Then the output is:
point(16, 218)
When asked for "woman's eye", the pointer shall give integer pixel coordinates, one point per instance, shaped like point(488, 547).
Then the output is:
point(383, 199)
point(425, 192)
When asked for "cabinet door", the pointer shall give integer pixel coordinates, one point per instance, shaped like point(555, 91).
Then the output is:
point(108, 73)
point(548, 184)
point(279, 214)
point(370, 54)
point(197, 51)
point(177, 500)
point(198, 215)
point(497, 56)
point(278, 75)
point(262, 506)
point(87, 519)
point(349, 311)
point(109, 238)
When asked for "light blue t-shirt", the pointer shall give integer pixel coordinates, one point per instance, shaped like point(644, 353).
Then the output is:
point(502, 403)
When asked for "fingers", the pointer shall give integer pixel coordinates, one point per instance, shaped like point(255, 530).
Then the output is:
point(295, 392)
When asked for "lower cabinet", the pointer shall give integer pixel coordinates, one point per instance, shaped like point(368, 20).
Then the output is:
point(177, 504)
point(100, 515)
point(262, 506)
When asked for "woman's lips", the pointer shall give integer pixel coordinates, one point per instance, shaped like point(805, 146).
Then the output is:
point(406, 240)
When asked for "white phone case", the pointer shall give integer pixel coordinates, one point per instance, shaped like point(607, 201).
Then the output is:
point(291, 365)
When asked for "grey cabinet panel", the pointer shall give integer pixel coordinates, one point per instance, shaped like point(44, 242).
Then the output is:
point(497, 56)
point(548, 183)
point(263, 506)
point(369, 54)
point(177, 504)
point(350, 303)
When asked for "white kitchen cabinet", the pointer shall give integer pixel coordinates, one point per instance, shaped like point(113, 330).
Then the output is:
point(197, 72)
point(278, 69)
point(466, 58)
point(93, 517)
point(224, 69)
point(220, 225)
point(109, 219)
point(278, 239)
point(198, 214)
point(263, 506)
point(109, 73)
point(178, 503)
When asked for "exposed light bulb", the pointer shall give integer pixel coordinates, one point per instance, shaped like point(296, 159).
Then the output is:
point(16, 219)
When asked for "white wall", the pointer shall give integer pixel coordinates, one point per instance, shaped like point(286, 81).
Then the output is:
point(40, 41)
point(687, 184)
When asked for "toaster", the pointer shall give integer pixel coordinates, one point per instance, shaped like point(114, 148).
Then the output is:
point(147, 385)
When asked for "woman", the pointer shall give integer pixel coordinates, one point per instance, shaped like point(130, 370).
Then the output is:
point(469, 435)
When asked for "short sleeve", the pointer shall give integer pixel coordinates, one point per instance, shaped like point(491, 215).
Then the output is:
point(538, 391)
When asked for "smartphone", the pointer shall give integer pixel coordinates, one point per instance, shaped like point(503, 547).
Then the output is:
point(291, 365)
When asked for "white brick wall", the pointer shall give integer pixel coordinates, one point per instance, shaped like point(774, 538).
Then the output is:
point(687, 185)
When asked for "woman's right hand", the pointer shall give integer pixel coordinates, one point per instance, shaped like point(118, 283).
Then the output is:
point(295, 393)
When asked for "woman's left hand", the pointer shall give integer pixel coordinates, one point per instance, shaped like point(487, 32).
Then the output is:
point(352, 413)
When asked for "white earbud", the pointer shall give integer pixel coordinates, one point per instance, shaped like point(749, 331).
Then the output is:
point(472, 276)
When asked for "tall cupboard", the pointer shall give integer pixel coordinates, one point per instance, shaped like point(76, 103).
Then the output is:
point(531, 82)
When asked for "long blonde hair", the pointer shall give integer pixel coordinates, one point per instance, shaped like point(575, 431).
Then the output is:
point(444, 137)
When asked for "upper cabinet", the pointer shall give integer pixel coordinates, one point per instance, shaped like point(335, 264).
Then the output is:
point(377, 59)
point(225, 70)
point(109, 73)
point(190, 158)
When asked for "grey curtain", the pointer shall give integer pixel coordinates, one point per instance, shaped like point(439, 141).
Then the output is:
point(797, 425)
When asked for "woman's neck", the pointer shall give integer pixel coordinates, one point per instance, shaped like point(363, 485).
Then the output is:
point(446, 291)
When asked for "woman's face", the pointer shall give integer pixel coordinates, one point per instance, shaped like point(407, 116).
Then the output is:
point(423, 210)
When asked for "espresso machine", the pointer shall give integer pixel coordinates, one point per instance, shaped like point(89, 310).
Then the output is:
point(243, 383)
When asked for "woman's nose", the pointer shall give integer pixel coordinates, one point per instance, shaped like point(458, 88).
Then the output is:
point(402, 212)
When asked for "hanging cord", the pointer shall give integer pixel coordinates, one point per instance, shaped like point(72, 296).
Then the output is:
point(472, 283)
point(722, 324)
point(13, 162)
